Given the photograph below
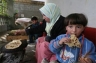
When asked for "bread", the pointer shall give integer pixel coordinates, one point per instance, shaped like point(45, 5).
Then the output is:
point(74, 42)
point(13, 44)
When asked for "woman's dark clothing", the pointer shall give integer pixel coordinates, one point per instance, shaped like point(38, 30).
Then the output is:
point(58, 28)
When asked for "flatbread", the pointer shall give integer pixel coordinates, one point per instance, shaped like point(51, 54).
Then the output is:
point(74, 42)
point(13, 44)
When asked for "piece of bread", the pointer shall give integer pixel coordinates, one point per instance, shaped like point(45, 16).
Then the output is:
point(13, 44)
point(74, 42)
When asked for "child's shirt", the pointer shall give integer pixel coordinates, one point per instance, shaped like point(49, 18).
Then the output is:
point(66, 54)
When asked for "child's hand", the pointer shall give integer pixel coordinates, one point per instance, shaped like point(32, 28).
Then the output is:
point(85, 60)
point(64, 40)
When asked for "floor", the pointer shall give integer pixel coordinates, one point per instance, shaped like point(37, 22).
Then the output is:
point(29, 56)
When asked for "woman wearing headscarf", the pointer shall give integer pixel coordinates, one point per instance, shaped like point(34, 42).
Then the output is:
point(53, 24)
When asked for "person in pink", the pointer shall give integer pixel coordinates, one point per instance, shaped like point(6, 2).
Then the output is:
point(41, 51)
point(54, 27)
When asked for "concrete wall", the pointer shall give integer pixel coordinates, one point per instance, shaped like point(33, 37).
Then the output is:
point(28, 10)
point(78, 6)
point(3, 28)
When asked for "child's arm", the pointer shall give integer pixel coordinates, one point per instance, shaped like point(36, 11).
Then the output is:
point(56, 45)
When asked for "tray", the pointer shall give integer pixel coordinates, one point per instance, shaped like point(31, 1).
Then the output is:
point(10, 38)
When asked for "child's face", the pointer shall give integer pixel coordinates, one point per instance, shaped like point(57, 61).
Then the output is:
point(34, 21)
point(75, 29)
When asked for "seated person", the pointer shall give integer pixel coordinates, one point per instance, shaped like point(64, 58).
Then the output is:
point(34, 24)
point(66, 49)
point(53, 25)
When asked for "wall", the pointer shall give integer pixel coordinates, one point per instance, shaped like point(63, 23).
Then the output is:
point(3, 21)
point(88, 7)
point(10, 10)
point(28, 10)
point(3, 28)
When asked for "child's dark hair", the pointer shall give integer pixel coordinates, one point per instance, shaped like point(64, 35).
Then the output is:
point(76, 18)
point(15, 14)
point(34, 18)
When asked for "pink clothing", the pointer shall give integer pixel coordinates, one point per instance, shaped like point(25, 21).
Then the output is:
point(42, 51)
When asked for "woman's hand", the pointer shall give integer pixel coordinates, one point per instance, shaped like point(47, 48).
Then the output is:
point(64, 40)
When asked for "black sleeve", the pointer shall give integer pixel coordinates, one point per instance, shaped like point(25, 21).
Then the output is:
point(58, 28)
point(38, 29)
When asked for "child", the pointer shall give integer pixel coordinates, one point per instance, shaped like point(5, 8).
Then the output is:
point(75, 24)
point(35, 23)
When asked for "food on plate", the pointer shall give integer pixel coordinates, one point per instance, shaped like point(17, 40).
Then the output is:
point(13, 44)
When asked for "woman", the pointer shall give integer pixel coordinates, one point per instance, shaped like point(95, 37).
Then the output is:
point(53, 24)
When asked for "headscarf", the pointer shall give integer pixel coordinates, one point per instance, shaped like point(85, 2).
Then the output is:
point(51, 11)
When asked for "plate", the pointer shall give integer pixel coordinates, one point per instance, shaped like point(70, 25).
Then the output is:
point(21, 47)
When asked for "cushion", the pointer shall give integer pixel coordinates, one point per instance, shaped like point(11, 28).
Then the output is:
point(90, 33)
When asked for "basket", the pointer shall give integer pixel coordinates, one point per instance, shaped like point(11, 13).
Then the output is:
point(10, 38)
